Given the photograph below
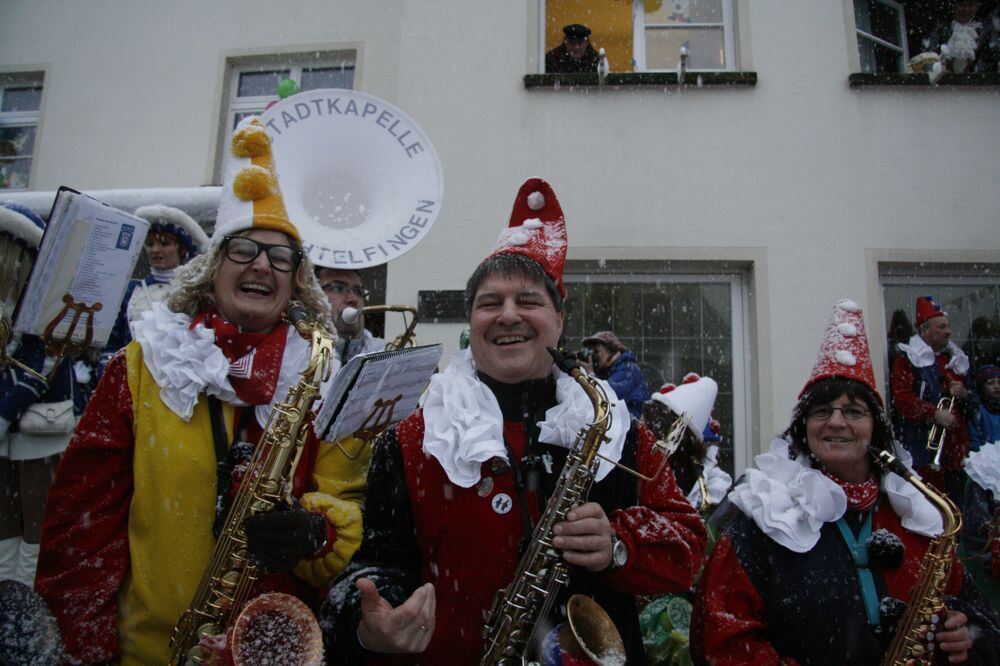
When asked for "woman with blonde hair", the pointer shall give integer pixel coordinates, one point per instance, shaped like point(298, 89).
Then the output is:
point(148, 480)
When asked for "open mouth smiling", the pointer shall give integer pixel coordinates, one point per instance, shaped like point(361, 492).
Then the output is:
point(254, 289)
point(504, 340)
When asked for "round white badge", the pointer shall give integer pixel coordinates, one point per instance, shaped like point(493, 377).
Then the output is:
point(360, 179)
point(502, 503)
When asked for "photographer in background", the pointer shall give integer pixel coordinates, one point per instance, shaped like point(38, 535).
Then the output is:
point(613, 362)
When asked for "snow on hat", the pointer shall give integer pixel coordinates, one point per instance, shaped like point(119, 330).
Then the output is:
point(606, 338)
point(251, 196)
point(537, 230)
point(22, 223)
point(694, 397)
point(844, 352)
point(928, 309)
point(178, 223)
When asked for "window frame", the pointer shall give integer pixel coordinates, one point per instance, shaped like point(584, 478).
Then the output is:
point(738, 277)
point(232, 104)
point(730, 39)
point(255, 104)
point(639, 28)
point(861, 36)
point(916, 274)
point(23, 118)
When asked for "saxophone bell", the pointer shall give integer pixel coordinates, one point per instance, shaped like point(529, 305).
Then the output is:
point(590, 633)
point(276, 627)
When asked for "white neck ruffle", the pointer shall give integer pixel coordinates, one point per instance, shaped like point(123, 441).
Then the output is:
point(463, 424)
point(185, 362)
point(921, 355)
point(790, 501)
point(983, 467)
point(717, 480)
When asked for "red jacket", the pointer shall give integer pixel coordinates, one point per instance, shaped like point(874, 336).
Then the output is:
point(465, 540)
point(914, 411)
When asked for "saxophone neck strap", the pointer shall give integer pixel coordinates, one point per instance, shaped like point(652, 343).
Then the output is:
point(223, 460)
point(858, 547)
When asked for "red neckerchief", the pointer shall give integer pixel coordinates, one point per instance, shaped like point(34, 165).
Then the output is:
point(860, 496)
point(255, 358)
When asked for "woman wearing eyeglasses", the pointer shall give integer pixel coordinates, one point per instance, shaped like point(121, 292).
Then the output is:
point(148, 479)
point(819, 565)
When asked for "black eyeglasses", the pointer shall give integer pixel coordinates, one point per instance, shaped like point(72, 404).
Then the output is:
point(243, 250)
point(849, 412)
point(342, 288)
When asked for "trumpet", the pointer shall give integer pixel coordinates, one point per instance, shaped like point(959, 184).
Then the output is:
point(405, 339)
point(935, 438)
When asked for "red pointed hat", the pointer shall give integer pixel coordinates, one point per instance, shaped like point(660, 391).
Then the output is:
point(844, 352)
point(537, 230)
point(928, 309)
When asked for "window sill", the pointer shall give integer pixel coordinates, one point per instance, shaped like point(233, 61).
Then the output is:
point(866, 80)
point(628, 79)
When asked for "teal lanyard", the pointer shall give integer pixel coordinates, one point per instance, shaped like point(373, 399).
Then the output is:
point(859, 553)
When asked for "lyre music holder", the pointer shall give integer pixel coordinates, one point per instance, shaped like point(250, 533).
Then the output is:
point(61, 344)
point(374, 425)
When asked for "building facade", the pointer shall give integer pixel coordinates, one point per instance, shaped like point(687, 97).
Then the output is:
point(717, 207)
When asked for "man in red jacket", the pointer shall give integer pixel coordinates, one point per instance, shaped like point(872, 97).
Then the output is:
point(455, 490)
point(931, 367)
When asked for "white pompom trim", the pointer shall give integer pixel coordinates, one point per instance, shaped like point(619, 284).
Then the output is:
point(536, 201)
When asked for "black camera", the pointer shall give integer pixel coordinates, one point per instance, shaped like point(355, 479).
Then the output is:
point(583, 355)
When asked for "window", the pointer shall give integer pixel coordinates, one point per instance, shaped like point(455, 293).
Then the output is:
point(647, 35)
point(881, 27)
point(254, 81)
point(963, 36)
point(969, 293)
point(675, 324)
point(702, 27)
point(20, 102)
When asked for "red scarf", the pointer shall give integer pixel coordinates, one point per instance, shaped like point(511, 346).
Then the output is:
point(255, 358)
point(860, 496)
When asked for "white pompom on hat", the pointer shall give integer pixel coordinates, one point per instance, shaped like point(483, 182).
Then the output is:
point(844, 351)
point(694, 397)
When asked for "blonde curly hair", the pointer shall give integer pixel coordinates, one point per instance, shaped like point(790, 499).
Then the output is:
point(193, 293)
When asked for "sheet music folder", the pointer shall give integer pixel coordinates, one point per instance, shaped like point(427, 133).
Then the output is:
point(88, 252)
point(383, 387)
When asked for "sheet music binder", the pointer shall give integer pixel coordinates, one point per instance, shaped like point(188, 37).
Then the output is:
point(399, 376)
point(79, 229)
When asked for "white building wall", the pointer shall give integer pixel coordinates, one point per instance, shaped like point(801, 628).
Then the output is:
point(808, 179)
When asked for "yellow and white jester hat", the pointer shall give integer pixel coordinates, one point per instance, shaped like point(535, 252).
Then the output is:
point(251, 197)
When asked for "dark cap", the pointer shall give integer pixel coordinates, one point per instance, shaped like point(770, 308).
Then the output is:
point(576, 31)
point(606, 338)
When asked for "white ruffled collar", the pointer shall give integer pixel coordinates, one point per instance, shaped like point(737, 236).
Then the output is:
point(717, 480)
point(921, 355)
point(790, 501)
point(185, 362)
point(983, 467)
point(463, 424)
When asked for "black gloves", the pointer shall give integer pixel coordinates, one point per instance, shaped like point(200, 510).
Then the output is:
point(278, 540)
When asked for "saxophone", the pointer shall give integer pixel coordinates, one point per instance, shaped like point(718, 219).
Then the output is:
point(926, 607)
point(511, 622)
point(267, 484)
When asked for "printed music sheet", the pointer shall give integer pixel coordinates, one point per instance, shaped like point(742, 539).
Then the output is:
point(88, 252)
